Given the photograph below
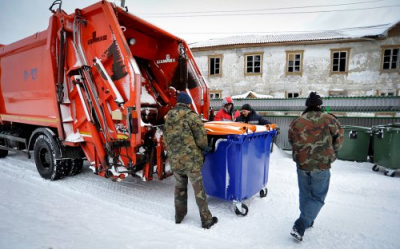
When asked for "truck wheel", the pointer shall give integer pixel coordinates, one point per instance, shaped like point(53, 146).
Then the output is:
point(45, 161)
point(76, 166)
point(3, 153)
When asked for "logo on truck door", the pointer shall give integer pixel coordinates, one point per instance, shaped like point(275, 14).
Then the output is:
point(96, 39)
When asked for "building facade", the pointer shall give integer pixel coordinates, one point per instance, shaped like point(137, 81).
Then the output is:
point(362, 62)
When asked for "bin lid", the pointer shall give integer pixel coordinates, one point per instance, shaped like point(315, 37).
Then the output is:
point(263, 128)
point(228, 127)
point(357, 128)
point(394, 125)
point(391, 125)
point(237, 128)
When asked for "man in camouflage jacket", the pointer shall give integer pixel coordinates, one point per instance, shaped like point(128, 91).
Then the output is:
point(185, 139)
point(315, 137)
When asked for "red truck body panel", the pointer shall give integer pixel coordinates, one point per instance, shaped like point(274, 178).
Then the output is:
point(101, 79)
point(27, 94)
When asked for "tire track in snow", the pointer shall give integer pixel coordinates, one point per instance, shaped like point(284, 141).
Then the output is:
point(154, 198)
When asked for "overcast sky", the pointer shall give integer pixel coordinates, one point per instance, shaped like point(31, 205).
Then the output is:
point(205, 19)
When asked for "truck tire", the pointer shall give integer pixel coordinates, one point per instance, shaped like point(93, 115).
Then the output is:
point(76, 166)
point(3, 153)
point(45, 159)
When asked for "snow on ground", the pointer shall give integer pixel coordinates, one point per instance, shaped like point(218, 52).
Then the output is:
point(86, 211)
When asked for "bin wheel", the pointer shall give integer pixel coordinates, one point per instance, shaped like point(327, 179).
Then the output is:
point(375, 168)
point(242, 212)
point(263, 192)
point(389, 174)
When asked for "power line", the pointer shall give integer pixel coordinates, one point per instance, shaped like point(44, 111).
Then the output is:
point(276, 13)
point(269, 9)
point(280, 32)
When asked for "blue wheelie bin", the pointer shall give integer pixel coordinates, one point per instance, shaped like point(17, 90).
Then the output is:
point(238, 167)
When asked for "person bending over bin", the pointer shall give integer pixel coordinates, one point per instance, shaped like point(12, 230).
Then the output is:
point(227, 112)
point(185, 140)
point(249, 116)
point(315, 137)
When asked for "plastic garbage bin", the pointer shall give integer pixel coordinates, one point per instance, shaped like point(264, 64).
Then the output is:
point(238, 166)
point(387, 147)
point(356, 143)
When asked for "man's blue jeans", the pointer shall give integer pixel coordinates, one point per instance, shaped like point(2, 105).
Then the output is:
point(313, 188)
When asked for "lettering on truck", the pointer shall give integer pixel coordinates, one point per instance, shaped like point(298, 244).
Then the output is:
point(166, 60)
point(96, 39)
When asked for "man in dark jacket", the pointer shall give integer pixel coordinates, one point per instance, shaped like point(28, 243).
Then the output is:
point(248, 115)
point(185, 139)
point(315, 137)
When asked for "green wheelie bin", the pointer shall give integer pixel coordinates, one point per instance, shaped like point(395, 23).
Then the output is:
point(387, 147)
point(356, 143)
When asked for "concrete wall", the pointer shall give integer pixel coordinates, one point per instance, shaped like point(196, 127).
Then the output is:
point(364, 71)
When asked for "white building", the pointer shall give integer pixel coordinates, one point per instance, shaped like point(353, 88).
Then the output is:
point(353, 62)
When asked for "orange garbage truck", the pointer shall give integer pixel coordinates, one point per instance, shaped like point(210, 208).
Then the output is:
point(95, 85)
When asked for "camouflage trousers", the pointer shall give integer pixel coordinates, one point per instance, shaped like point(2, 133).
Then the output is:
point(181, 195)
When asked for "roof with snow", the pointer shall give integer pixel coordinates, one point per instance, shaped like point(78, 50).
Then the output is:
point(252, 95)
point(350, 33)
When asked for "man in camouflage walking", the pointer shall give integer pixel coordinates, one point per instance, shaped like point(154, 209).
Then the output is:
point(185, 139)
point(315, 137)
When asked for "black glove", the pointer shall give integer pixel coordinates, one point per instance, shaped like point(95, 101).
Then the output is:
point(208, 149)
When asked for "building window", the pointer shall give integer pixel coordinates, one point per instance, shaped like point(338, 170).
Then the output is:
point(253, 64)
point(340, 60)
point(337, 93)
point(214, 63)
point(390, 59)
point(215, 94)
point(292, 95)
point(385, 93)
point(294, 62)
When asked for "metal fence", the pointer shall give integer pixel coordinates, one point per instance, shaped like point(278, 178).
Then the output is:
point(284, 122)
point(343, 104)
point(372, 105)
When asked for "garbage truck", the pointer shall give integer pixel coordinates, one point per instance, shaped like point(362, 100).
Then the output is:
point(94, 87)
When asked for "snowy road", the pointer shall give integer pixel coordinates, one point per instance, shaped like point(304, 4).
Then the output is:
point(86, 211)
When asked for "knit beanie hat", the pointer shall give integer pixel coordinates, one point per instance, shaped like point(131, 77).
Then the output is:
point(227, 100)
point(184, 98)
point(313, 100)
point(246, 107)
